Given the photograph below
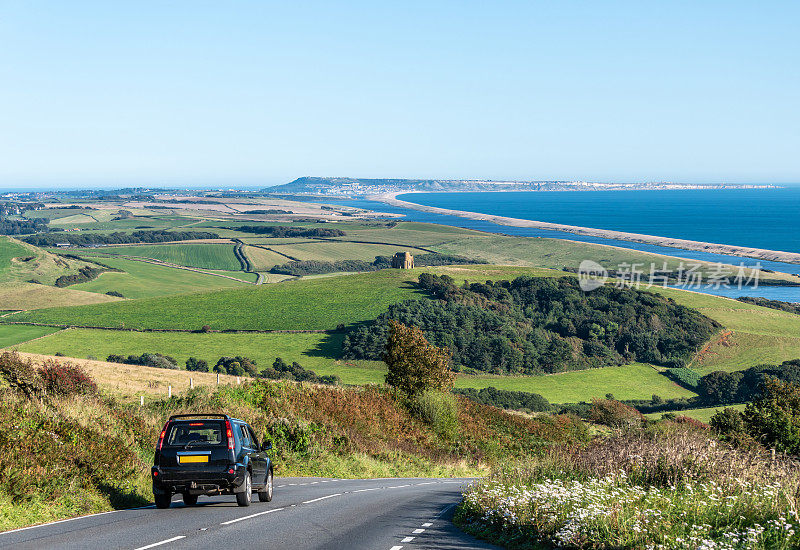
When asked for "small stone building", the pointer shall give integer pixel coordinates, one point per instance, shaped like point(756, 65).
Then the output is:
point(402, 260)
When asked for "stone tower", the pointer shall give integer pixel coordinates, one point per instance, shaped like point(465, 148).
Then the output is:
point(402, 260)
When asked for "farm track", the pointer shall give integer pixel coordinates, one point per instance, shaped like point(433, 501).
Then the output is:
point(247, 265)
point(263, 247)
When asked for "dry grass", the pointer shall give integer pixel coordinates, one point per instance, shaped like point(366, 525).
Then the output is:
point(128, 382)
point(24, 296)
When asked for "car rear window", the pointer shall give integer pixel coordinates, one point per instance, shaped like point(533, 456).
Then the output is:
point(208, 432)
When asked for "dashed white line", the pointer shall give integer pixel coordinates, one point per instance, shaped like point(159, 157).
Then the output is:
point(399, 486)
point(427, 524)
point(408, 539)
point(418, 531)
point(251, 516)
point(173, 539)
point(395, 548)
point(365, 490)
point(322, 498)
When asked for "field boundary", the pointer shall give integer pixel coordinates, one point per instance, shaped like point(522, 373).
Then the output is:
point(184, 330)
point(174, 266)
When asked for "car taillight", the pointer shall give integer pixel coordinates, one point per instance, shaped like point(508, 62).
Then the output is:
point(161, 437)
point(229, 433)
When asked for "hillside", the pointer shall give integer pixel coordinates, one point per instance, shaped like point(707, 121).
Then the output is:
point(98, 452)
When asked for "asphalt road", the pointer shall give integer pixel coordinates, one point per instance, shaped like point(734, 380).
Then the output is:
point(305, 513)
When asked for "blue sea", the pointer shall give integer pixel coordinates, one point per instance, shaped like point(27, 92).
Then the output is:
point(761, 218)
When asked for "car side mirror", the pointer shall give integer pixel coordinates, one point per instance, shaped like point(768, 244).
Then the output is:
point(266, 446)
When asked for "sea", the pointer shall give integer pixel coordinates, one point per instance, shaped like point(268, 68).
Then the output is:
point(760, 218)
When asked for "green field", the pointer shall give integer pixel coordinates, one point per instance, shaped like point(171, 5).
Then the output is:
point(635, 381)
point(314, 351)
point(145, 280)
point(703, 415)
point(9, 250)
point(204, 256)
point(308, 304)
point(333, 251)
point(11, 335)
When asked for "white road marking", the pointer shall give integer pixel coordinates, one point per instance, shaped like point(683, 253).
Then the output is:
point(399, 486)
point(407, 539)
point(395, 548)
point(428, 524)
point(322, 498)
point(418, 531)
point(251, 516)
point(173, 539)
point(364, 490)
point(428, 483)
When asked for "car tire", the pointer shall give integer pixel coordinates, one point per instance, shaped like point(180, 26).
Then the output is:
point(266, 494)
point(189, 500)
point(245, 497)
point(163, 500)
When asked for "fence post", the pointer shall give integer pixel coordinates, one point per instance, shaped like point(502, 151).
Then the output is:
point(217, 379)
point(237, 380)
point(191, 383)
point(169, 391)
point(141, 400)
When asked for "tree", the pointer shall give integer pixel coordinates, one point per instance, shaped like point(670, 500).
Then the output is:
point(197, 365)
point(414, 364)
point(774, 418)
point(720, 386)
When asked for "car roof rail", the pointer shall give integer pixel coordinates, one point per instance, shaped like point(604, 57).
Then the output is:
point(199, 415)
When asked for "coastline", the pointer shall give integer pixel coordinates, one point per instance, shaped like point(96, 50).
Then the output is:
point(714, 248)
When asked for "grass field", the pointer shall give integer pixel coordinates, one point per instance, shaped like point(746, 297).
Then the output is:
point(263, 260)
point(309, 304)
point(333, 251)
point(8, 251)
point(145, 280)
point(635, 381)
point(29, 296)
point(703, 415)
point(11, 335)
point(204, 256)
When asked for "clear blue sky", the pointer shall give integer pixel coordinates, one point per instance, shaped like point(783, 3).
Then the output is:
point(251, 93)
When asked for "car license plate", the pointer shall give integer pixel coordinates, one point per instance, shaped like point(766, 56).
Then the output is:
point(189, 459)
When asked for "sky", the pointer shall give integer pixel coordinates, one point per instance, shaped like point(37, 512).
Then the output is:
point(196, 93)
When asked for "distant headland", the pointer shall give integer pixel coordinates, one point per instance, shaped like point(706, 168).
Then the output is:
point(326, 186)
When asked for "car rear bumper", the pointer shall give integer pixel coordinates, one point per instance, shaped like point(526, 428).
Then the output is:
point(198, 482)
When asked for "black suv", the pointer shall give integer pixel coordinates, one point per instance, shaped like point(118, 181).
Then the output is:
point(210, 454)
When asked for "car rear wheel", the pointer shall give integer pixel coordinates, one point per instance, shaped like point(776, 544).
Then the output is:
point(189, 500)
point(266, 494)
point(163, 500)
point(244, 498)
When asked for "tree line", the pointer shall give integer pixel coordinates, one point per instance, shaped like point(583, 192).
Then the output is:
point(540, 325)
point(288, 231)
point(92, 239)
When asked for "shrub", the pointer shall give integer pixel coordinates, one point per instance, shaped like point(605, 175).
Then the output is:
point(157, 360)
point(414, 364)
point(437, 409)
point(684, 376)
point(66, 380)
point(115, 293)
point(196, 365)
point(295, 371)
point(291, 436)
point(615, 414)
point(236, 366)
point(774, 418)
point(506, 399)
point(20, 374)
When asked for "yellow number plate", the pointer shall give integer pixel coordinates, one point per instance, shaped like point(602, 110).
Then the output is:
point(192, 458)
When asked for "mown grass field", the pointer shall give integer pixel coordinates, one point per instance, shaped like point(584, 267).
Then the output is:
point(204, 256)
point(145, 280)
point(310, 304)
point(333, 251)
point(8, 250)
point(703, 415)
point(635, 381)
point(11, 335)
